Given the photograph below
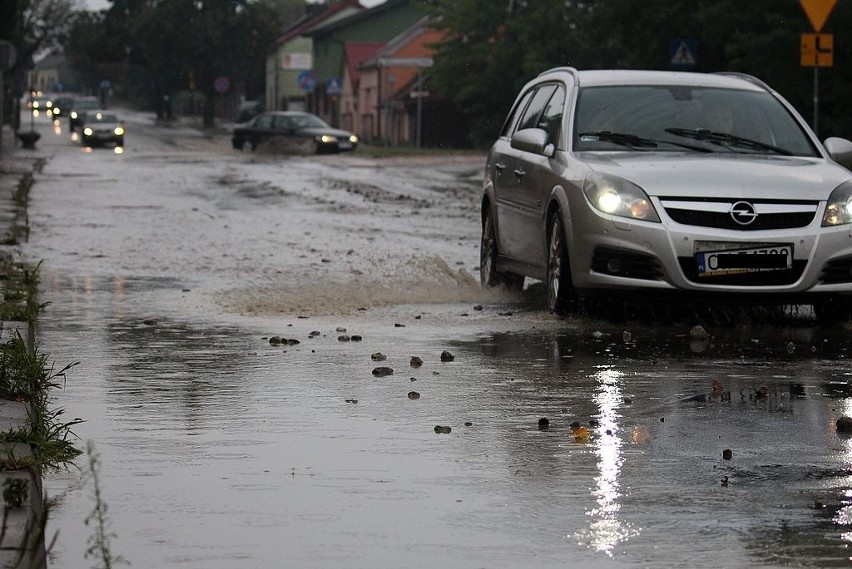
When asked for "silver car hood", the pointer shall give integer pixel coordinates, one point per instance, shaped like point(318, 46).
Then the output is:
point(722, 175)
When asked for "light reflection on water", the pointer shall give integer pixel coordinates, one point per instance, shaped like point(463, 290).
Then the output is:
point(607, 530)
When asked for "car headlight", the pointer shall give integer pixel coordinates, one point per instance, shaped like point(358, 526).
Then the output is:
point(73, 114)
point(838, 210)
point(327, 139)
point(353, 138)
point(118, 131)
point(616, 196)
point(87, 131)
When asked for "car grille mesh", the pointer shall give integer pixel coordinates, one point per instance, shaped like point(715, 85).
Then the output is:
point(715, 213)
point(837, 272)
point(764, 278)
point(631, 265)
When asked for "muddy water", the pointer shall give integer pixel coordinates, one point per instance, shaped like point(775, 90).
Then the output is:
point(169, 272)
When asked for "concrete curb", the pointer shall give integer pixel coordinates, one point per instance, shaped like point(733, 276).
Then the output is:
point(22, 539)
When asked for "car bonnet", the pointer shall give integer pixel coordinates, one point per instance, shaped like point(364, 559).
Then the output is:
point(729, 175)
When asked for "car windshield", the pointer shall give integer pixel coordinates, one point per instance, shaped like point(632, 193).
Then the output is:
point(665, 118)
point(101, 117)
point(86, 104)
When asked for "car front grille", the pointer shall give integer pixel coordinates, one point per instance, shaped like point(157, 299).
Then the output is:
point(764, 278)
point(716, 213)
point(837, 272)
point(625, 264)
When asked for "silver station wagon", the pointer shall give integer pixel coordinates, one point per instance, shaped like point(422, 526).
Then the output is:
point(669, 184)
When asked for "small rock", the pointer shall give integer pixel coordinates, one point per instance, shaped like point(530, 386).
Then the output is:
point(382, 371)
point(468, 424)
point(627, 336)
point(844, 425)
point(340, 329)
point(356, 338)
point(398, 325)
point(416, 361)
point(543, 424)
point(727, 454)
point(724, 481)
point(352, 401)
point(478, 307)
point(413, 395)
point(597, 334)
point(275, 340)
point(443, 429)
point(447, 356)
point(343, 338)
point(378, 357)
point(292, 342)
point(314, 334)
point(791, 347)
point(698, 333)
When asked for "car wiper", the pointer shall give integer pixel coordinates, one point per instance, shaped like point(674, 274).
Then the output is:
point(726, 139)
point(634, 141)
point(620, 138)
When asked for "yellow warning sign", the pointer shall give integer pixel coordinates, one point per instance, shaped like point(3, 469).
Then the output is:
point(817, 50)
point(818, 11)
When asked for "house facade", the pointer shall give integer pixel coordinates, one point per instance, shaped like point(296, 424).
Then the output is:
point(379, 24)
point(289, 66)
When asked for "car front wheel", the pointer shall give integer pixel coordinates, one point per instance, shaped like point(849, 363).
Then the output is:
point(561, 296)
point(488, 274)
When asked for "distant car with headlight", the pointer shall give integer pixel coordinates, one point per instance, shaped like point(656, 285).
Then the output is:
point(293, 131)
point(61, 106)
point(673, 185)
point(79, 106)
point(101, 127)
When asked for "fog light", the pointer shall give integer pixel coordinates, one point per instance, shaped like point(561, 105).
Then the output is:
point(614, 265)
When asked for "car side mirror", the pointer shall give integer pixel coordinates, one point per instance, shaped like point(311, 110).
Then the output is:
point(840, 150)
point(535, 140)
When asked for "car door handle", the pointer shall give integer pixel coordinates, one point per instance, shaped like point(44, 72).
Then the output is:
point(499, 166)
point(520, 173)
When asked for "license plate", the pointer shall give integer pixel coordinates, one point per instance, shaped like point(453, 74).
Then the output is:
point(735, 261)
point(344, 144)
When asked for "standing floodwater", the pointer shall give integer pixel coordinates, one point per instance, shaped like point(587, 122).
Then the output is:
point(235, 317)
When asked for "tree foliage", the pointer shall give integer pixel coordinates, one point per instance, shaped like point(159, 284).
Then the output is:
point(160, 48)
point(492, 47)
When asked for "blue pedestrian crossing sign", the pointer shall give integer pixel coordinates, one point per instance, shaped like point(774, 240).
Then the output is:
point(683, 54)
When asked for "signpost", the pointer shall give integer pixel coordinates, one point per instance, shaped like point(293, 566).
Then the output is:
point(817, 48)
point(419, 63)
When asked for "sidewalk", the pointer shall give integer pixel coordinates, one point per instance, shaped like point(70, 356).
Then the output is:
point(22, 540)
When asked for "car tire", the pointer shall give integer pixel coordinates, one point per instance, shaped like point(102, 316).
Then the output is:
point(238, 143)
point(561, 296)
point(488, 274)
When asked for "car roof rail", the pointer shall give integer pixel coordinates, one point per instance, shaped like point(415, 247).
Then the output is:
point(745, 77)
point(565, 68)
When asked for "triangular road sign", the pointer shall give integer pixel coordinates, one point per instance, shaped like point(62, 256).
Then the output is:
point(818, 11)
point(683, 55)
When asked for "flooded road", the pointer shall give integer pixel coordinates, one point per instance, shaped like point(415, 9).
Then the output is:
point(250, 331)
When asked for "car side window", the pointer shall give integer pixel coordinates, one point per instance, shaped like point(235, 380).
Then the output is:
point(509, 126)
point(283, 123)
point(551, 118)
point(264, 121)
point(536, 107)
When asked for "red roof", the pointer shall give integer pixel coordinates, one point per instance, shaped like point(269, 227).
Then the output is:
point(358, 52)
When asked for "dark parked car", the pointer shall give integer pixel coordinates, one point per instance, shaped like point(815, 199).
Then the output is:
point(293, 131)
point(670, 185)
point(101, 127)
point(79, 106)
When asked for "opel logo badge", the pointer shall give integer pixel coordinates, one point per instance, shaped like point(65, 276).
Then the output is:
point(743, 213)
